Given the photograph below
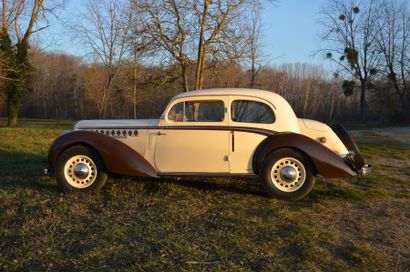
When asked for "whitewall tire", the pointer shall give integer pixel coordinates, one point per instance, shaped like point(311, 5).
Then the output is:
point(288, 174)
point(79, 168)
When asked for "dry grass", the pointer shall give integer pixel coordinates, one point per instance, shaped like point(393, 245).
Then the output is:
point(197, 224)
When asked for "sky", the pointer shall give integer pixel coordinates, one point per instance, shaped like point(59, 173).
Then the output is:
point(291, 31)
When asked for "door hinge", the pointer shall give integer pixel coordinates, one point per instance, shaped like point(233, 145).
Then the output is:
point(227, 158)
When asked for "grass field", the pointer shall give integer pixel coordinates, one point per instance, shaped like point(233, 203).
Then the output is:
point(356, 224)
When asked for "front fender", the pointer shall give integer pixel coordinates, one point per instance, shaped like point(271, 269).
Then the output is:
point(327, 163)
point(118, 157)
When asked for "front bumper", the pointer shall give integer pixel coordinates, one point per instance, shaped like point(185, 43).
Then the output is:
point(361, 171)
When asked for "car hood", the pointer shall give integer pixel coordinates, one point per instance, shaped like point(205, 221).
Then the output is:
point(89, 124)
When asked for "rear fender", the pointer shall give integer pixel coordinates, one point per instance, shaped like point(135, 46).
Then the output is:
point(118, 158)
point(326, 162)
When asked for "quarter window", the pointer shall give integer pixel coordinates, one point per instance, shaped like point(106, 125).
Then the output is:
point(197, 111)
point(246, 111)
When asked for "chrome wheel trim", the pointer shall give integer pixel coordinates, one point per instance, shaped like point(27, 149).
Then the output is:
point(288, 174)
point(80, 171)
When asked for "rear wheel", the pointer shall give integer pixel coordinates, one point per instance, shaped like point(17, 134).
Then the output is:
point(287, 174)
point(79, 168)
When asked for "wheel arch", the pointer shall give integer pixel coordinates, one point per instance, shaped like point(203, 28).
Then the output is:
point(74, 144)
point(325, 161)
point(297, 149)
point(124, 161)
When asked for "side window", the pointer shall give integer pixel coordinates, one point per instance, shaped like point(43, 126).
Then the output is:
point(197, 111)
point(176, 113)
point(247, 111)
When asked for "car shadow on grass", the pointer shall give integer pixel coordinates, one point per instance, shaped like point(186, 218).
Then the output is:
point(17, 163)
point(25, 170)
point(204, 184)
point(229, 185)
point(21, 170)
point(33, 183)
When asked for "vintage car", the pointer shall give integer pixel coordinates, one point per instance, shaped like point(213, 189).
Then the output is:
point(216, 132)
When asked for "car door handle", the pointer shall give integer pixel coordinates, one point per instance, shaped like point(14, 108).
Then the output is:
point(159, 133)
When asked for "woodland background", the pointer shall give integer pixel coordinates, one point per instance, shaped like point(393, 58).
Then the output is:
point(144, 52)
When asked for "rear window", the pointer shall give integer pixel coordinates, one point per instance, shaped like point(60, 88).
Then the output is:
point(247, 111)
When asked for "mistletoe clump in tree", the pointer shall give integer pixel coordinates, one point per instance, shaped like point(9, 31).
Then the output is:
point(350, 31)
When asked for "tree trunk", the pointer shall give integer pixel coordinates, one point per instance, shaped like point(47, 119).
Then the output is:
point(134, 101)
point(362, 100)
point(306, 104)
point(253, 68)
point(184, 77)
point(134, 96)
point(12, 110)
point(45, 109)
point(201, 49)
point(332, 103)
point(403, 103)
point(75, 102)
point(12, 120)
point(201, 68)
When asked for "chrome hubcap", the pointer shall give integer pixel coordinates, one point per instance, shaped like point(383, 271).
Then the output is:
point(80, 171)
point(288, 174)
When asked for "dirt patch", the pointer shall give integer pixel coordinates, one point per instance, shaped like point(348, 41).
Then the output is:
point(401, 134)
point(395, 168)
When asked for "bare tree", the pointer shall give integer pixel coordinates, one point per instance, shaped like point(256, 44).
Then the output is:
point(54, 84)
point(253, 30)
point(18, 21)
point(350, 32)
point(217, 33)
point(393, 42)
point(105, 29)
point(165, 24)
point(192, 32)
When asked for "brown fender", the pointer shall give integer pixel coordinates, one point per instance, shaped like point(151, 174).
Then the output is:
point(327, 163)
point(118, 158)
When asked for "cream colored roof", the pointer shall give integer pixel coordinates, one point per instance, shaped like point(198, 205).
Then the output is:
point(274, 98)
point(231, 91)
point(285, 116)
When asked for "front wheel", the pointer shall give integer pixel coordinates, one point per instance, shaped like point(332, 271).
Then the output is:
point(79, 168)
point(288, 174)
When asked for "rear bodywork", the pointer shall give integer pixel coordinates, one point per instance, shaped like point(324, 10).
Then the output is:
point(326, 162)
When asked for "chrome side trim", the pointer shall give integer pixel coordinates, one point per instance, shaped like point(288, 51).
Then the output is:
point(197, 174)
point(114, 132)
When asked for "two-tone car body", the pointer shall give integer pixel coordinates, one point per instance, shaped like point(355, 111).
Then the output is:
point(216, 132)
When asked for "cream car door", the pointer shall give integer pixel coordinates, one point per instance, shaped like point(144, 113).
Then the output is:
point(194, 138)
point(247, 112)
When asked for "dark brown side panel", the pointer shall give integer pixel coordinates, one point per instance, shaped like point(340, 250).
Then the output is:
point(117, 156)
point(326, 162)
